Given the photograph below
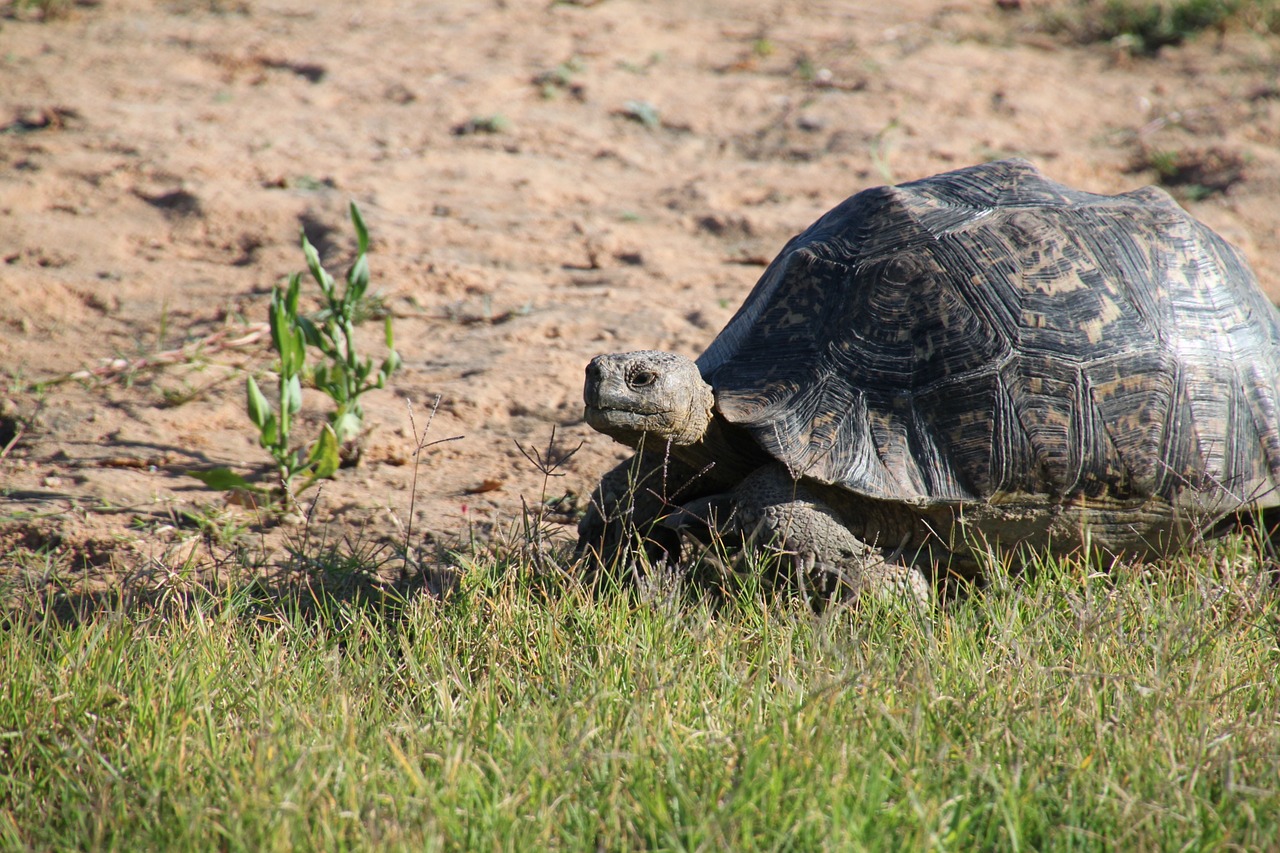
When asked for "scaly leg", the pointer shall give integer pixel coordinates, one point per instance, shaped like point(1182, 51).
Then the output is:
point(774, 512)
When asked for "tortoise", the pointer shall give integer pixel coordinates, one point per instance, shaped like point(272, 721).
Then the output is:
point(980, 358)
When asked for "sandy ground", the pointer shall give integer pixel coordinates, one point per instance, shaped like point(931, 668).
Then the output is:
point(542, 183)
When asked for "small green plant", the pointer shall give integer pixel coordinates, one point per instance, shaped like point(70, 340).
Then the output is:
point(1193, 174)
point(642, 112)
point(44, 10)
point(309, 183)
point(490, 124)
point(341, 374)
point(560, 79)
point(1144, 27)
point(275, 426)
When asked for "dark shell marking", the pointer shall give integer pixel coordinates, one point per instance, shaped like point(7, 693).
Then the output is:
point(990, 335)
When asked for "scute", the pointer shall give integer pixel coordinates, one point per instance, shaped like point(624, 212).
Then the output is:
point(988, 331)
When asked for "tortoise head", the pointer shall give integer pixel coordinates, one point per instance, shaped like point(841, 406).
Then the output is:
point(633, 394)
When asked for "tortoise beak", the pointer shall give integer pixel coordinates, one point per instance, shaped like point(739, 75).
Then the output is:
point(607, 386)
point(591, 390)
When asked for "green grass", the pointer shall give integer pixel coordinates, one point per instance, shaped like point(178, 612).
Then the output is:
point(1071, 711)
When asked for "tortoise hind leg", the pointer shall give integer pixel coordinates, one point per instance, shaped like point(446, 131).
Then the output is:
point(778, 514)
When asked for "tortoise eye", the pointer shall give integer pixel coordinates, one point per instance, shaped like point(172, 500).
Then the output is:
point(643, 378)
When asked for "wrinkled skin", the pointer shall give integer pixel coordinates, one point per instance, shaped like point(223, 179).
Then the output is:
point(696, 482)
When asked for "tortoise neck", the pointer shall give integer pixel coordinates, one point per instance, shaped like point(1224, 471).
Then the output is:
point(726, 452)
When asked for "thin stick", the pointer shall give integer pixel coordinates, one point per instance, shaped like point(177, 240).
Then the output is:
point(214, 343)
point(420, 444)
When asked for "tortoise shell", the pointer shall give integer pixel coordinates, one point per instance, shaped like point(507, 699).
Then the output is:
point(987, 333)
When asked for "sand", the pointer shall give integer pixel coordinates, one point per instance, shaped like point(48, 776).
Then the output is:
point(542, 183)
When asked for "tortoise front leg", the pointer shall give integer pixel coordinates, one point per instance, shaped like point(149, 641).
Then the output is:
point(823, 557)
point(626, 513)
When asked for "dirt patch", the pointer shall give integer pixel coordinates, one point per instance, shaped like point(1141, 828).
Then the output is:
point(542, 183)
